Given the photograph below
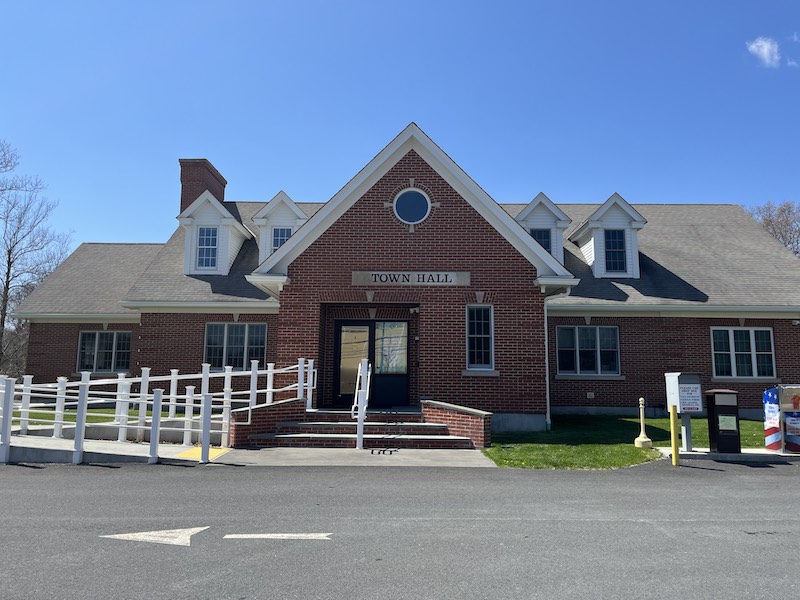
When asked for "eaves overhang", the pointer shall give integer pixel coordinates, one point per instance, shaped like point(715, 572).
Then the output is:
point(32, 317)
point(236, 307)
point(272, 284)
point(676, 310)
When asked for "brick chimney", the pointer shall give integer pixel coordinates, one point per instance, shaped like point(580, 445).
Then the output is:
point(197, 176)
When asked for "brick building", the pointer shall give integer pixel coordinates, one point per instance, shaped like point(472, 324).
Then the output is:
point(520, 310)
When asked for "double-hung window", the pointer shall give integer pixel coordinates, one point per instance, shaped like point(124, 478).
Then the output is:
point(743, 352)
point(207, 247)
point(108, 351)
point(480, 337)
point(615, 251)
point(543, 237)
point(588, 350)
point(235, 345)
point(279, 236)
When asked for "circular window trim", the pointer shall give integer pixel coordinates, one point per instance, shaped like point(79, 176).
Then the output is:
point(416, 190)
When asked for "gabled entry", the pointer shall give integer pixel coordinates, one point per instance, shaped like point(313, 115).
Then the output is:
point(385, 344)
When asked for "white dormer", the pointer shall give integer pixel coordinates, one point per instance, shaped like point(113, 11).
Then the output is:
point(546, 223)
point(608, 239)
point(213, 237)
point(277, 222)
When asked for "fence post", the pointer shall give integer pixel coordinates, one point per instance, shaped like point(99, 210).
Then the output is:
point(310, 384)
point(226, 408)
point(24, 411)
point(61, 393)
point(270, 382)
point(173, 392)
point(80, 422)
point(205, 438)
point(361, 395)
point(155, 427)
point(188, 414)
point(206, 376)
point(118, 405)
point(301, 372)
point(8, 415)
point(144, 391)
point(253, 382)
point(124, 407)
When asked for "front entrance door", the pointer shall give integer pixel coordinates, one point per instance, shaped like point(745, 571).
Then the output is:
point(385, 345)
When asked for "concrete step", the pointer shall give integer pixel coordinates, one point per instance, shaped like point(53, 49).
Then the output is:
point(341, 440)
point(386, 416)
point(371, 427)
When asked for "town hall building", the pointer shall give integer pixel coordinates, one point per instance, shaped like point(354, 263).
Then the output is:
point(520, 310)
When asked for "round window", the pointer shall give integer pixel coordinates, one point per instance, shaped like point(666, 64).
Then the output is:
point(412, 206)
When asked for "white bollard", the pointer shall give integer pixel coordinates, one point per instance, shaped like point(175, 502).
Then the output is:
point(24, 411)
point(155, 427)
point(124, 407)
point(205, 437)
point(61, 393)
point(188, 415)
point(80, 423)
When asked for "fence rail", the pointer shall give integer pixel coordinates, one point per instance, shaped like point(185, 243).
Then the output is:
point(54, 405)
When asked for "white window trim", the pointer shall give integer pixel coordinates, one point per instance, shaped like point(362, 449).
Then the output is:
point(732, 354)
point(625, 244)
point(113, 352)
point(247, 325)
point(480, 368)
point(272, 247)
point(216, 247)
point(577, 372)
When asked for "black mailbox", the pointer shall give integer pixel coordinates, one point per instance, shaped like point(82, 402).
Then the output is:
point(723, 421)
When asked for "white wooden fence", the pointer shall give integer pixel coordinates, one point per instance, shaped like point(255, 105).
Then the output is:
point(34, 406)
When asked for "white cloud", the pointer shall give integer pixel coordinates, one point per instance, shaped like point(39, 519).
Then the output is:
point(766, 50)
point(795, 37)
point(791, 63)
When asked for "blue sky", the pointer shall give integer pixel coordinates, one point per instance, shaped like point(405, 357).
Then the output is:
point(661, 101)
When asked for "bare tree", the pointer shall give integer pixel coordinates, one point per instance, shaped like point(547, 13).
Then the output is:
point(29, 251)
point(782, 221)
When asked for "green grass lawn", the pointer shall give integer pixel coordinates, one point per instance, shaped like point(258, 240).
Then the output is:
point(598, 442)
point(96, 415)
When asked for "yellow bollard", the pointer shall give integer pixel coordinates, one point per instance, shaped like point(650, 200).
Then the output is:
point(673, 434)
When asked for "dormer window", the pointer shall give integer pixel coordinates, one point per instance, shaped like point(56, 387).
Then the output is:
point(207, 248)
point(280, 235)
point(615, 251)
point(542, 236)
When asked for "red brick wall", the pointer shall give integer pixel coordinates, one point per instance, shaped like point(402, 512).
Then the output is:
point(53, 348)
point(459, 422)
point(264, 420)
point(454, 238)
point(650, 347)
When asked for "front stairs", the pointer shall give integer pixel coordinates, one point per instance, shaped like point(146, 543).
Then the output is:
point(383, 429)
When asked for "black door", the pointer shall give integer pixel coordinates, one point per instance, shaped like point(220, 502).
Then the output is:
point(385, 345)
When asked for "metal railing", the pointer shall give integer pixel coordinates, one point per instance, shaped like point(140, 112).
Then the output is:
point(54, 405)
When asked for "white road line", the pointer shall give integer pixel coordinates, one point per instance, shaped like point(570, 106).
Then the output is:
point(175, 537)
point(278, 536)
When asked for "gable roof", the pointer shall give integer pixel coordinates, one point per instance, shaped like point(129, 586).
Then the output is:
point(542, 199)
point(90, 283)
point(593, 220)
point(412, 137)
point(228, 210)
point(279, 199)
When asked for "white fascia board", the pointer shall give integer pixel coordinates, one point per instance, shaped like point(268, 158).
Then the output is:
point(595, 220)
point(541, 198)
point(411, 138)
point(226, 218)
point(666, 310)
point(128, 317)
point(279, 198)
point(551, 283)
point(265, 306)
point(272, 284)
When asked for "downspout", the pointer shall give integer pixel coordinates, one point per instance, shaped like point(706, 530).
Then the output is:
point(547, 420)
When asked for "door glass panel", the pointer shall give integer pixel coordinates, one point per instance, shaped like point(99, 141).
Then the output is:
point(391, 348)
point(353, 347)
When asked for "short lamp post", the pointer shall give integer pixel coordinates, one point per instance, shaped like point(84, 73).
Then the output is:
point(642, 441)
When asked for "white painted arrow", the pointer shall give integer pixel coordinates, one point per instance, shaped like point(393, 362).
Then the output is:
point(278, 536)
point(176, 537)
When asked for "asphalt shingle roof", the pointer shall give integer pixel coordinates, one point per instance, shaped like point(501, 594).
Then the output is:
point(691, 255)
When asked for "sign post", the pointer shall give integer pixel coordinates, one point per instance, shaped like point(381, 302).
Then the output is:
point(685, 393)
